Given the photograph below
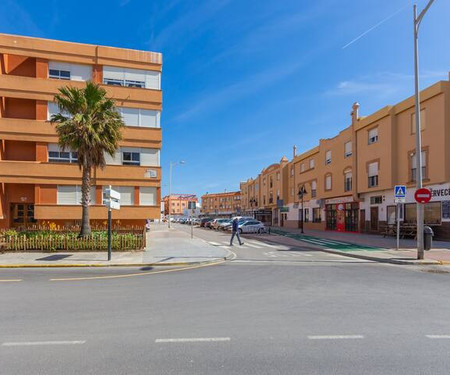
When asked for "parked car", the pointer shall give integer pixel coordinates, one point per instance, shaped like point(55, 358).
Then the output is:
point(204, 220)
point(251, 226)
point(216, 222)
point(209, 223)
point(224, 224)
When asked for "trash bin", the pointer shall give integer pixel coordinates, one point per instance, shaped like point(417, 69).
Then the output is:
point(427, 237)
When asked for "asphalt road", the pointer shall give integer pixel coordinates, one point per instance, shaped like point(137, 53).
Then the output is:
point(255, 315)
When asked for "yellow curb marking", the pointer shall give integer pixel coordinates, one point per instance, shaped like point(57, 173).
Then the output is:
point(136, 274)
point(10, 280)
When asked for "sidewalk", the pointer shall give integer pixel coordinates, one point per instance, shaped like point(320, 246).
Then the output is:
point(164, 248)
point(369, 246)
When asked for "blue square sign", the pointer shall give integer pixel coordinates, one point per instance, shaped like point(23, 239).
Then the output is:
point(400, 191)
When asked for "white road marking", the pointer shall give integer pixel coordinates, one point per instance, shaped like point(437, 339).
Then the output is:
point(438, 336)
point(35, 343)
point(336, 337)
point(214, 243)
point(251, 245)
point(197, 339)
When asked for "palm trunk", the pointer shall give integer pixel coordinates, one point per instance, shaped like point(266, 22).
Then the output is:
point(85, 199)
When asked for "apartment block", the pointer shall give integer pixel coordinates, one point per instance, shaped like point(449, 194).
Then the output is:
point(221, 204)
point(38, 181)
point(177, 203)
point(349, 179)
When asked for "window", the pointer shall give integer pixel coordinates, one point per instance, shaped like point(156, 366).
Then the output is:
point(311, 163)
point(373, 174)
point(432, 213)
point(270, 182)
point(55, 155)
point(278, 194)
point(328, 157)
point(59, 74)
point(131, 158)
point(348, 149)
point(302, 167)
point(66, 71)
point(292, 171)
point(313, 189)
point(317, 215)
point(126, 194)
point(348, 180)
point(423, 122)
point(140, 117)
point(328, 182)
point(373, 136)
point(278, 176)
point(306, 215)
point(53, 109)
point(376, 200)
point(117, 76)
point(71, 195)
point(414, 166)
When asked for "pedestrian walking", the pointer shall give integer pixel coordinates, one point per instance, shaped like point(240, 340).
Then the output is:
point(235, 232)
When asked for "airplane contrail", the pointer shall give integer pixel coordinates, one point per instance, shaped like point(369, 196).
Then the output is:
point(375, 26)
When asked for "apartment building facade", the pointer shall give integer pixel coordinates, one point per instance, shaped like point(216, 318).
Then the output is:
point(178, 203)
point(221, 204)
point(38, 181)
point(349, 179)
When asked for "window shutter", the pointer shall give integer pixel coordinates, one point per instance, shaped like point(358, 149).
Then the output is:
point(314, 185)
point(328, 155)
point(112, 72)
point(153, 80)
point(52, 109)
point(134, 75)
point(373, 169)
point(150, 157)
point(311, 163)
point(348, 148)
point(66, 194)
point(424, 159)
point(328, 182)
point(116, 160)
point(130, 116)
point(126, 194)
point(150, 119)
point(373, 133)
point(147, 196)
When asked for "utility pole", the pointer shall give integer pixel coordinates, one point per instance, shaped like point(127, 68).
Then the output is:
point(170, 184)
point(420, 208)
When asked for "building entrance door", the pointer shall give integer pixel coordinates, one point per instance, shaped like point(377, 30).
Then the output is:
point(22, 214)
point(374, 219)
point(362, 220)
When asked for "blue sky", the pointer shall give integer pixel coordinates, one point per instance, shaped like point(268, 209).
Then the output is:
point(245, 80)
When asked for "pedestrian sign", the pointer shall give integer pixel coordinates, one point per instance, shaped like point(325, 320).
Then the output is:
point(400, 191)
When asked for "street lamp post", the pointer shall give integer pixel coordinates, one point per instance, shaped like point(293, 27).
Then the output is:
point(420, 208)
point(253, 202)
point(171, 165)
point(301, 193)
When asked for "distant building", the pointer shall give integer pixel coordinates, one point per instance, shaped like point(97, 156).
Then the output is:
point(221, 204)
point(177, 203)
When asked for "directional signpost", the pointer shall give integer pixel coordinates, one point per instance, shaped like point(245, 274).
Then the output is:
point(400, 197)
point(111, 198)
point(191, 206)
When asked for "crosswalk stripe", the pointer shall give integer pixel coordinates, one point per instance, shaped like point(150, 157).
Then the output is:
point(250, 245)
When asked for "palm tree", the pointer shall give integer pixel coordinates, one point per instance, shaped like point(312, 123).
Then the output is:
point(89, 124)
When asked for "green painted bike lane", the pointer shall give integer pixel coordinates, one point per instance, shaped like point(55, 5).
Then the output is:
point(329, 244)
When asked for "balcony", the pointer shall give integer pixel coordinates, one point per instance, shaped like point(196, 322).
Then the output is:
point(42, 131)
point(34, 172)
point(45, 89)
point(97, 212)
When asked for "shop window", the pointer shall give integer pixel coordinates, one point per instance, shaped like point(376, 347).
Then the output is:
point(432, 213)
point(317, 215)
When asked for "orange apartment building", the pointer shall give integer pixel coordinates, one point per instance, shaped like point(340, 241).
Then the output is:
point(39, 182)
point(350, 178)
point(221, 204)
point(178, 203)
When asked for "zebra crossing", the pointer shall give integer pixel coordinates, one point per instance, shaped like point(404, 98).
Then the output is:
point(250, 244)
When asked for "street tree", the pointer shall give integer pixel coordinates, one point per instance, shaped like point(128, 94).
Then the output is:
point(88, 123)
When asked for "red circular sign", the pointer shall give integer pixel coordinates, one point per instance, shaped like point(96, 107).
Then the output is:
point(422, 195)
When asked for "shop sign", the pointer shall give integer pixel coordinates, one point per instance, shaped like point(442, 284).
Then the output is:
point(284, 209)
point(340, 207)
point(440, 193)
point(339, 200)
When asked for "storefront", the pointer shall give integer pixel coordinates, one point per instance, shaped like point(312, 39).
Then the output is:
point(265, 216)
point(342, 214)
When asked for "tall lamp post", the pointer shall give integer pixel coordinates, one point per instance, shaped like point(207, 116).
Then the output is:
point(172, 164)
point(301, 193)
point(420, 209)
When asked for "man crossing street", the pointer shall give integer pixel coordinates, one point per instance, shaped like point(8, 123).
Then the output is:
point(235, 232)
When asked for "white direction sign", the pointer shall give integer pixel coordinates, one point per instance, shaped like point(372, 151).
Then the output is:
point(400, 193)
point(112, 199)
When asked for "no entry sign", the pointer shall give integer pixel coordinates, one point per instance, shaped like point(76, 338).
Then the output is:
point(422, 195)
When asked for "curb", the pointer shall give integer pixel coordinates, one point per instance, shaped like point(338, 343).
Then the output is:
point(411, 262)
point(85, 265)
